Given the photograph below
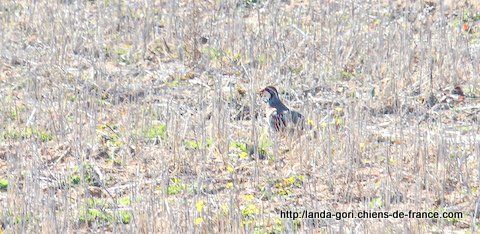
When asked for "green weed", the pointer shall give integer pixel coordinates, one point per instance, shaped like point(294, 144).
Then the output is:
point(195, 145)
point(14, 134)
point(158, 131)
point(3, 184)
point(175, 187)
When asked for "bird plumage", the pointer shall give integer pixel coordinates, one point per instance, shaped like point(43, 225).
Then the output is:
point(281, 118)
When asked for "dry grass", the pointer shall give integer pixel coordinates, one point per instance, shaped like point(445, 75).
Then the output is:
point(133, 116)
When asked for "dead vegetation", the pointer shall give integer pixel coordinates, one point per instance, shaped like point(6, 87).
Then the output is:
point(141, 116)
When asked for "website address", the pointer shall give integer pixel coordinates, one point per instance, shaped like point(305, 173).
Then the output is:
point(305, 214)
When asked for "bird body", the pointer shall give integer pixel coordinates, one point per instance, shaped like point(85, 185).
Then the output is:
point(285, 119)
point(281, 118)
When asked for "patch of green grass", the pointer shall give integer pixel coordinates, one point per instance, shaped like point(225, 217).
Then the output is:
point(236, 58)
point(76, 178)
point(44, 137)
point(124, 201)
point(72, 98)
point(22, 219)
point(174, 83)
point(243, 153)
point(122, 53)
point(125, 216)
point(243, 150)
point(176, 186)
point(158, 131)
point(264, 144)
point(456, 23)
point(95, 210)
point(213, 53)
point(239, 145)
point(345, 75)
point(376, 203)
point(468, 16)
point(285, 186)
point(95, 202)
point(14, 134)
point(91, 215)
point(249, 211)
point(3, 184)
point(16, 111)
point(476, 17)
point(14, 115)
point(191, 144)
point(109, 135)
point(277, 226)
point(194, 145)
